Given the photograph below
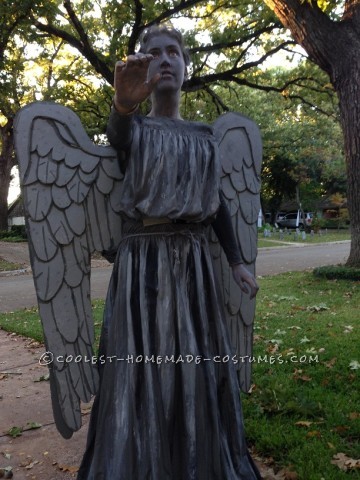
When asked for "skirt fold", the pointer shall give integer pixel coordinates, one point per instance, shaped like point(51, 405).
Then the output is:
point(167, 408)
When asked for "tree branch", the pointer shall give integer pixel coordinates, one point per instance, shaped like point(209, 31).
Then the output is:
point(99, 65)
point(238, 43)
point(137, 28)
point(311, 28)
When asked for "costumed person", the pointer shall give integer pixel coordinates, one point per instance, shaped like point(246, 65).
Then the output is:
point(167, 407)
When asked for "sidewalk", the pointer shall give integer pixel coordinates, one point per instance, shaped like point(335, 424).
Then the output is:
point(41, 453)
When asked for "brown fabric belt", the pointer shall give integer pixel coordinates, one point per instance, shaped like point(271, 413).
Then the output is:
point(148, 221)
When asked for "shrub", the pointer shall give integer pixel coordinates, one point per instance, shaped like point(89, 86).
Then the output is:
point(338, 272)
point(16, 234)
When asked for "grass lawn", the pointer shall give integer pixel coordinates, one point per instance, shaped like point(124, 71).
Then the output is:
point(289, 237)
point(8, 266)
point(304, 409)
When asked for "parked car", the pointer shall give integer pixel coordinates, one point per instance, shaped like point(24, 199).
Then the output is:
point(290, 220)
point(279, 216)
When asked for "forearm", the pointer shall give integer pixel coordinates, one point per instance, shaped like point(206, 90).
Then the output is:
point(119, 130)
point(224, 231)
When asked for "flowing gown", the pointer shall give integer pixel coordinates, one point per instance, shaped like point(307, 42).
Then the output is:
point(168, 407)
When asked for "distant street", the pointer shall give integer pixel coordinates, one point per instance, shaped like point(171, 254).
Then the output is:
point(17, 291)
point(272, 261)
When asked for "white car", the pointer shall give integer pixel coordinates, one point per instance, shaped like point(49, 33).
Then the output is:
point(289, 220)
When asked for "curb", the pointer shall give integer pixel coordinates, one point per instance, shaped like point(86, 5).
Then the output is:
point(21, 271)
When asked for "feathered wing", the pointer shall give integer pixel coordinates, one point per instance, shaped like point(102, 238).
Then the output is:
point(71, 190)
point(240, 151)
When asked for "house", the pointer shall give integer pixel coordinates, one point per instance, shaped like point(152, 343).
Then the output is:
point(16, 213)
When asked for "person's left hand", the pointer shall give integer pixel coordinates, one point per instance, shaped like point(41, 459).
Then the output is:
point(245, 280)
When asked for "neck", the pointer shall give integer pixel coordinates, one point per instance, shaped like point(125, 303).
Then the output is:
point(165, 106)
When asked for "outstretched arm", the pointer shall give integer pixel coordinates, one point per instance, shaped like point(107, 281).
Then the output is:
point(132, 87)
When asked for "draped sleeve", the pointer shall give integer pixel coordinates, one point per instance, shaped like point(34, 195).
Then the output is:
point(172, 170)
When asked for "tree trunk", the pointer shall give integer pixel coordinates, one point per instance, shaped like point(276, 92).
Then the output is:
point(348, 90)
point(334, 47)
point(6, 164)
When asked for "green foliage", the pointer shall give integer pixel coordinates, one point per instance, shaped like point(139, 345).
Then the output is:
point(16, 234)
point(66, 51)
point(338, 272)
point(303, 408)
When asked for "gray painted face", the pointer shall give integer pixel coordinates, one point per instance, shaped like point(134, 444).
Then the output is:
point(168, 61)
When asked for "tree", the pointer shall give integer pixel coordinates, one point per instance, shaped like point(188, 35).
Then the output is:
point(13, 22)
point(78, 42)
point(333, 43)
point(97, 33)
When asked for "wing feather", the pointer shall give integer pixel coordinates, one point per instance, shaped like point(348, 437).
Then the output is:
point(44, 243)
point(60, 197)
point(70, 187)
point(240, 155)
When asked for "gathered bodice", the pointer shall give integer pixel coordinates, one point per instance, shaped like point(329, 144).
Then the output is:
point(172, 170)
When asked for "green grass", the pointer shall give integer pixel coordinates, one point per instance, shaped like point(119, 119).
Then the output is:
point(26, 322)
point(6, 266)
point(309, 329)
point(305, 404)
point(275, 241)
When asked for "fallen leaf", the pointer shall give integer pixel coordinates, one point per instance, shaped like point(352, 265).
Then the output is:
point(345, 463)
point(340, 429)
point(330, 363)
point(313, 434)
point(298, 308)
point(280, 332)
point(272, 348)
point(67, 468)
point(31, 465)
point(15, 431)
point(32, 425)
point(289, 351)
point(43, 378)
point(318, 308)
point(354, 415)
point(252, 388)
point(297, 376)
point(85, 410)
point(354, 365)
point(303, 423)
point(6, 472)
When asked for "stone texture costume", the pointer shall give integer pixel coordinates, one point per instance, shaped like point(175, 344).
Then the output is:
point(158, 415)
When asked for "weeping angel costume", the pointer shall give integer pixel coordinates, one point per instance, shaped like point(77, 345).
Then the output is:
point(168, 404)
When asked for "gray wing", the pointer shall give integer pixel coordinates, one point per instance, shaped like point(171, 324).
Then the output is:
point(240, 151)
point(71, 189)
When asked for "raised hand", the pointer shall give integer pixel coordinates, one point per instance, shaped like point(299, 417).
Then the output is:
point(131, 82)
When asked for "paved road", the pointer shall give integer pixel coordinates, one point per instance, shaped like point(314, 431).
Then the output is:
point(272, 261)
point(18, 291)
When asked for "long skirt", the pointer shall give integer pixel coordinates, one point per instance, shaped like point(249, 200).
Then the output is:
point(168, 406)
